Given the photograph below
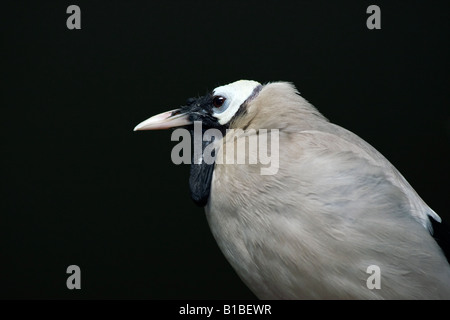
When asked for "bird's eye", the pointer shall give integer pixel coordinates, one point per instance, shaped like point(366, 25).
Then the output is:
point(218, 101)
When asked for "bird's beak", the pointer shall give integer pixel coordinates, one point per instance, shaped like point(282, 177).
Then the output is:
point(165, 120)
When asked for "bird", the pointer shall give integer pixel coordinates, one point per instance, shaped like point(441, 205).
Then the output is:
point(334, 208)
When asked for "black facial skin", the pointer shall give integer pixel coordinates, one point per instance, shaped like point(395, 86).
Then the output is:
point(201, 109)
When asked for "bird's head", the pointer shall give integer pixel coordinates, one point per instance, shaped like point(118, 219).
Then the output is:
point(215, 109)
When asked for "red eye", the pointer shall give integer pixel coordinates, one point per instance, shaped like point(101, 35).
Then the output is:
point(218, 101)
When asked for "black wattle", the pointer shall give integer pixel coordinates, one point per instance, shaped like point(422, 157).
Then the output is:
point(200, 182)
point(200, 177)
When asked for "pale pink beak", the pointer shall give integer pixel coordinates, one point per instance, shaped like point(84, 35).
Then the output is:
point(165, 120)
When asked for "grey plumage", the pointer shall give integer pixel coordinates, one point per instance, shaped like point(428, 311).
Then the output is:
point(335, 207)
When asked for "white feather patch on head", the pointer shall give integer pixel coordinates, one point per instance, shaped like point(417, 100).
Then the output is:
point(236, 93)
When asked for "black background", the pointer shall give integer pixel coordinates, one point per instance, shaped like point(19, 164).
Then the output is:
point(78, 186)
